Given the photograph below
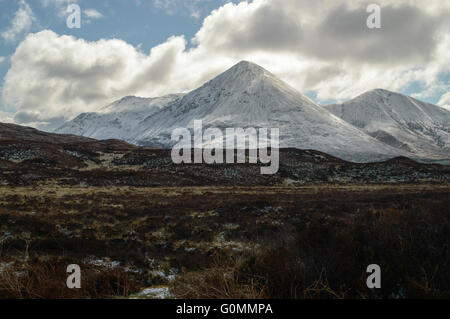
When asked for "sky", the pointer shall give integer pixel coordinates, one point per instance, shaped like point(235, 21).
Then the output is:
point(50, 73)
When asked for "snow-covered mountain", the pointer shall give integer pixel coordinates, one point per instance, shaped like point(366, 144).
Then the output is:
point(244, 96)
point(403, 122)
point(117, 120)
point(249, 96)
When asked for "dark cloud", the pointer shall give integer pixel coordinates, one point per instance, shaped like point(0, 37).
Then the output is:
point(407, 34)
point(320, 74)
point(31, 118)
point(271, 28)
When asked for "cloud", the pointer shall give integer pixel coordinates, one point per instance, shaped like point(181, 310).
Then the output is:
point(2, 59)
point(6, 117)
point(172, 7)
point(93, 14)
point(300, 38)
point(59, 5)
point(46, 3)
point(407, 35)
point(56, 76)
point(322, 47)
point(21, 23)
point(445, 101)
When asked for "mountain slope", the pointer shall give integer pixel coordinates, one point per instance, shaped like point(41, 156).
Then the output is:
point(28, 146)
point(403, 122)
point(117, 120)
point(10, 132)
point(244, 96)
point(249, 96)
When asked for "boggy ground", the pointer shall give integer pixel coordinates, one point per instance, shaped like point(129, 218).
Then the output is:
point(311, 241)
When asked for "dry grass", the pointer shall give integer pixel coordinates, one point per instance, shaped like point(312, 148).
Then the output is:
point(47, 280)
point(218, 282)
point(317, 241)
point(327, 257)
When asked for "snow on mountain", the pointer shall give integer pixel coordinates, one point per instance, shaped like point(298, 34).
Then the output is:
point(117, 120)
point(403, 122)
point(374, 126)
point(249, 96)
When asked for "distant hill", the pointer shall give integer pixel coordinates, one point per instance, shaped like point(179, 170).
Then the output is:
point(419, 128)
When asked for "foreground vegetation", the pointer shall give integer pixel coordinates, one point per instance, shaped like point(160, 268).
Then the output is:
point(226, 242)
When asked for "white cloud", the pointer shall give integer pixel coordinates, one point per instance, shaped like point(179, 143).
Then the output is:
point(59, 5)
point(21, 23)
point(2, 59)
point(325, 47)
point(176, 6)
point(319, 46)
point(93, 14)
point(46, 3)
point(445, 101)
point(54, 76)
point(6, 117)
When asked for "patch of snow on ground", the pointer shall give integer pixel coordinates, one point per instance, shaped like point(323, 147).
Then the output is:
point(154, 293)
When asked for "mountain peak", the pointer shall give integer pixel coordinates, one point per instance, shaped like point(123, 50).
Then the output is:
point(400, 121)
point(245, 77)
point(245, 96)
point(249, 67)
point(243, 85)
point(379, 92)
point(245, 63)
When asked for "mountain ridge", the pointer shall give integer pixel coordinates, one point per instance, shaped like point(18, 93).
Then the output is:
point(246, 95)
point(417, 127)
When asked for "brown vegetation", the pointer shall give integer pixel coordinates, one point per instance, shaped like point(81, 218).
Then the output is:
point(227, 242)
point(35, 279)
